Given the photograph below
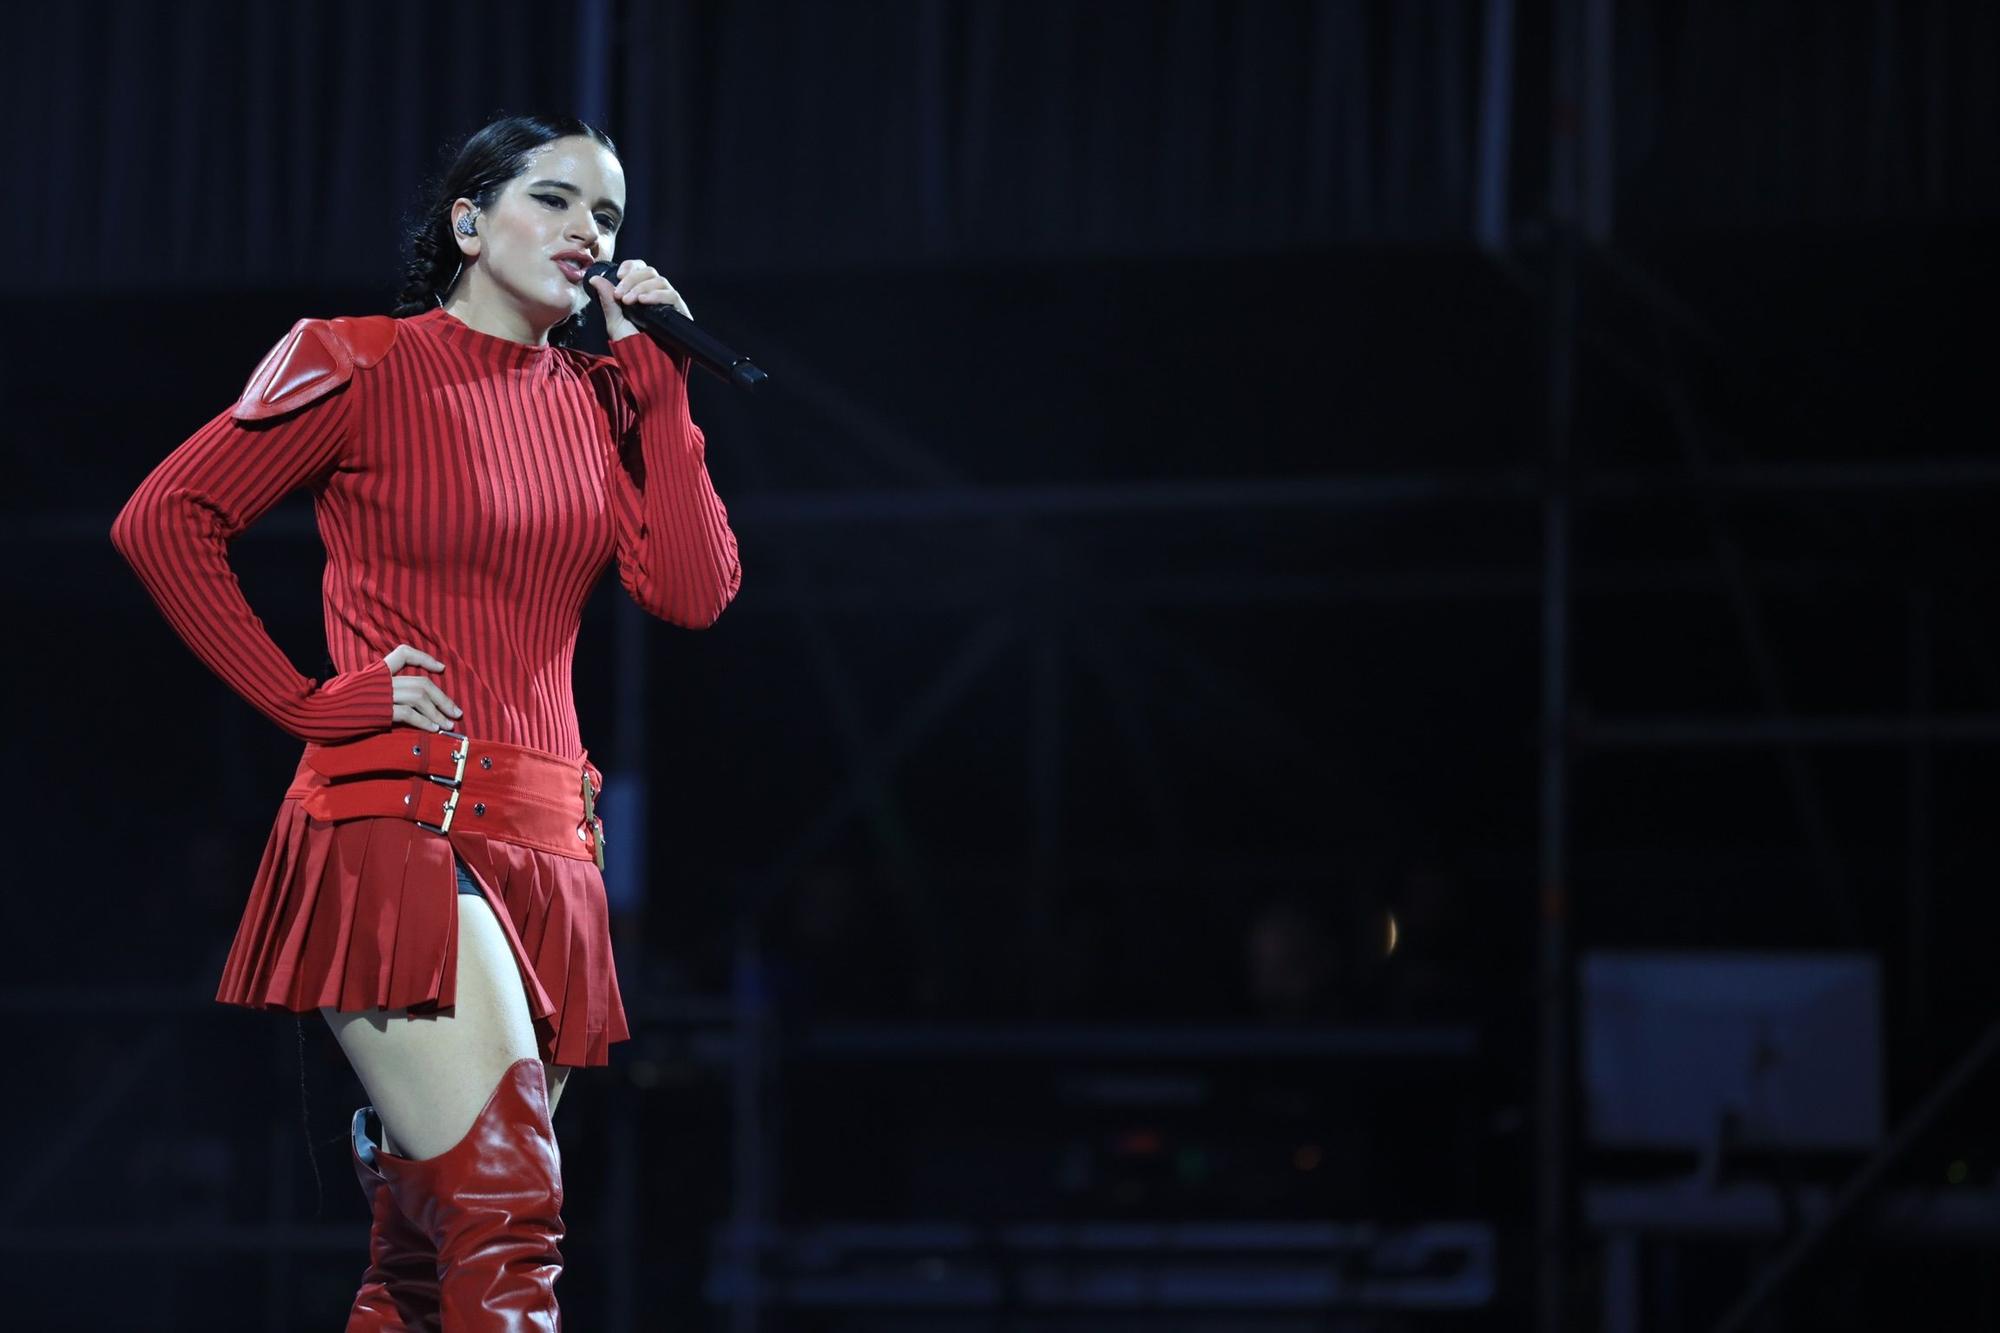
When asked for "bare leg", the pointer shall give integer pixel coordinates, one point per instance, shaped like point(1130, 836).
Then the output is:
point(429, 1075)
point(556, 1074)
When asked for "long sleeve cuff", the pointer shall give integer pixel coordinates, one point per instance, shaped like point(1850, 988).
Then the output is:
point(677, 555)
point(346, 706)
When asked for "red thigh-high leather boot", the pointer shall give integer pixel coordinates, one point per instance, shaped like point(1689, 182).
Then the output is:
point(492, 1205)
point(399, 1292)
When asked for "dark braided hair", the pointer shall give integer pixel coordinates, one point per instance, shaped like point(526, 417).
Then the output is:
point(492, 155)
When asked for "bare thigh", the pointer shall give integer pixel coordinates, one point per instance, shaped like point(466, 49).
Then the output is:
point(428, 1075)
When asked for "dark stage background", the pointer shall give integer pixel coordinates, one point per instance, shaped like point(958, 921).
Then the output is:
point(1287, 543)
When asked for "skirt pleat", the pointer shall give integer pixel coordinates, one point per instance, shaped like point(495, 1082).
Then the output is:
point(548, 900)
point(363, 914)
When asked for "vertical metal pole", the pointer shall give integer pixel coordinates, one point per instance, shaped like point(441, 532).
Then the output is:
point(1599, 183)
point(619, 1221)
point(593, 60)
point(1918, 867)
point(1552, 1083)
point(748, 1220)
point(1045, 754)
point(1496, 127)
point(1358, 115)
point(282, 1211)
point(1553, 962)
point(933, 194)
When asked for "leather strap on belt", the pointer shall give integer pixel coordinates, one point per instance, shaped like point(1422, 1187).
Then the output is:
point(439, 779)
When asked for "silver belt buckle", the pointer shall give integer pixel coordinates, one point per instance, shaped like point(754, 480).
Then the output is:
point(455, 781)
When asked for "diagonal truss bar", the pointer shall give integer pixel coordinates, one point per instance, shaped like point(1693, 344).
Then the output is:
point(52, 1156)
point(975, 652)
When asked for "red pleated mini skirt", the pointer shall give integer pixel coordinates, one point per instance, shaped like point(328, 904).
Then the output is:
point(354, 911)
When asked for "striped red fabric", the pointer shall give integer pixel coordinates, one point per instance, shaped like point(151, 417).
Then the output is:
point(470, 492)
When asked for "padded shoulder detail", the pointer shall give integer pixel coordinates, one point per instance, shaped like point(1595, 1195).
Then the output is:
point(368, 337)
point(310, 362)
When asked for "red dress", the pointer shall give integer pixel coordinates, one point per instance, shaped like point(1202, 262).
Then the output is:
point(470, 491)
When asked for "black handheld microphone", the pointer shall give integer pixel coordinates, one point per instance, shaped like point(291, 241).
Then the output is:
point(670, 326)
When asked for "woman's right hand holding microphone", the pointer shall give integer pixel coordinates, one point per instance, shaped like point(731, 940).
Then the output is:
point(419, 702)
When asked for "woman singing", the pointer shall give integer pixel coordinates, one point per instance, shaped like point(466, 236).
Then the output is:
point(432, 884)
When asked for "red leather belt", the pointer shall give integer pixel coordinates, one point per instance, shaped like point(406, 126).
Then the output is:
point(442, 779)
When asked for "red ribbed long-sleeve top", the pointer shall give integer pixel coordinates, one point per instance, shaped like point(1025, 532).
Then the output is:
point(470, 491)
